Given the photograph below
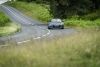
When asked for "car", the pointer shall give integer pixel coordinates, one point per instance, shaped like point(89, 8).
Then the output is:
point(55, 23)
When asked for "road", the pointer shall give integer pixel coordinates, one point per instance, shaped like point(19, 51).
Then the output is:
point(30, 28)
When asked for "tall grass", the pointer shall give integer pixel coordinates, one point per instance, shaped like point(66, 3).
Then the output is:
point(76, 50)
point(8, 30)
point(4, 20)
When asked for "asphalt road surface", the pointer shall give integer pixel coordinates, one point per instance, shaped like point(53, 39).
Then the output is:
point(30, 28)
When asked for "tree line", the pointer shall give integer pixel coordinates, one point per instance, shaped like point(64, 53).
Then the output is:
point(66, 8)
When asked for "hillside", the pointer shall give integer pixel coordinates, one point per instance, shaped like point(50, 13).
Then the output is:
point(6, 26)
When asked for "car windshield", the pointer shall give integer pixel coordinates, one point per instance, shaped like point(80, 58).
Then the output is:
point(56, 20)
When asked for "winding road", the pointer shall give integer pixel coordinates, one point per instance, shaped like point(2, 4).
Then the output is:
point(30, 28)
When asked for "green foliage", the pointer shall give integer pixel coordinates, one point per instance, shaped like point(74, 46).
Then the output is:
point(90, 20)
point(92, 16)
point(66, 8)
point(6, 26)
point(4, 20)
point(74, 17)
point(78, 22)
point(97, 22)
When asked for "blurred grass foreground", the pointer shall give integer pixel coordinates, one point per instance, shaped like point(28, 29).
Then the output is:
point(75, 50)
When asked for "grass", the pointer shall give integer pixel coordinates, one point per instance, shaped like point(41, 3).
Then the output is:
point(8, 30)
point(80, 49)
point(6, 26)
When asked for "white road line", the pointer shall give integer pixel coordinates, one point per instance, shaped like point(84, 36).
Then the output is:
point(15, 14)
point(4, 45)
point(44, 35)
point(23, 41)
point(27, 23)
point(37, 38)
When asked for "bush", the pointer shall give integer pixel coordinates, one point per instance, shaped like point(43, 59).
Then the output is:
point(92, 16)
point(4, 20)
point(81, 23)
point(6, 26)
point(74, 17)
point(85, 21)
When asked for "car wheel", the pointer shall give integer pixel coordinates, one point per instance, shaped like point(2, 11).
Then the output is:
point(52, 27)
point(61, 27)
point(49, 28)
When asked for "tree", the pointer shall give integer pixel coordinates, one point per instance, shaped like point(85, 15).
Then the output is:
point(96, 4)
point(65, 8)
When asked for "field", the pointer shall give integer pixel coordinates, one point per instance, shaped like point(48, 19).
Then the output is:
point(79, 49)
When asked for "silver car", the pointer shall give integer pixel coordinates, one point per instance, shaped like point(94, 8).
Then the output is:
point(55, 23)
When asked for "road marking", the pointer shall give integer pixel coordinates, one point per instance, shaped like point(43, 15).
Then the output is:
point(15, 14)
point(44, 35)
point(37, 38)
point(4, 45)
point(27, 23)
point(23, 41)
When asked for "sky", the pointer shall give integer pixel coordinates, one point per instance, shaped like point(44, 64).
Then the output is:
point(2, 1)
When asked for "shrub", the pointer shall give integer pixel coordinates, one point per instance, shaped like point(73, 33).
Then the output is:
point(4, 20)
point(92, 16)
point(6, 26)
